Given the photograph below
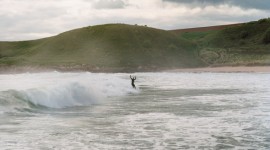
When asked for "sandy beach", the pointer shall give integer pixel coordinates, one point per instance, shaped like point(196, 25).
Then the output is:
point(29, 69)
point(225, 69)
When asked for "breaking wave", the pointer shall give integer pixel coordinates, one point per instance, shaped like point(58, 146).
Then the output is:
point(60, 90)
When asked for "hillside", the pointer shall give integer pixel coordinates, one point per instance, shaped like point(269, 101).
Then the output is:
point(126, 47)
point(121, 48)
point(239, 44)
point(205, 29)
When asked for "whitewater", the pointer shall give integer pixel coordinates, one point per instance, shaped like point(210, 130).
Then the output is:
point(86, 110)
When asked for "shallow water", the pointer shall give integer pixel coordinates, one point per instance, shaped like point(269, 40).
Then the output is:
point(167, 111)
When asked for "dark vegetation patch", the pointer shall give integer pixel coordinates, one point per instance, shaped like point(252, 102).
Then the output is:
point(266, 36)
point(246, 43)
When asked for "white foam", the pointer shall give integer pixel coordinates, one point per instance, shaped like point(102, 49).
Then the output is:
point(58, 90)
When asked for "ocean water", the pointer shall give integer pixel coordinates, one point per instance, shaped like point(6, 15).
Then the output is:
point(167, 111)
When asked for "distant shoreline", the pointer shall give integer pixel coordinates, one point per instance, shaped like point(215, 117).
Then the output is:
point(223, 69)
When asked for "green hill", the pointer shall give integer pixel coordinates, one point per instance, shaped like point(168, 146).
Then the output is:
point(103, 46)
point(121, 47)
point(239, 44)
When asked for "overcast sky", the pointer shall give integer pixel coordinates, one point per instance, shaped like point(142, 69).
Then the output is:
point(32, 19)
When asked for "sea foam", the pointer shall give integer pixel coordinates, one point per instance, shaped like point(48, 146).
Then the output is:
point(60, 90)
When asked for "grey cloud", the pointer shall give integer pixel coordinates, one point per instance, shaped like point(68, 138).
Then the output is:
point(258, 4)
point(246, 4)
point(109, 4)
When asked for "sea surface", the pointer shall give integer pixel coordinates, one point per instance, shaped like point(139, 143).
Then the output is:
point(167, 111)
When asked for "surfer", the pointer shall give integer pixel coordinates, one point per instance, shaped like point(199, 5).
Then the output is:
point(132, 81)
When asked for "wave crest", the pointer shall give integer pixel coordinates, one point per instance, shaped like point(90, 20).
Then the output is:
point(56, 91)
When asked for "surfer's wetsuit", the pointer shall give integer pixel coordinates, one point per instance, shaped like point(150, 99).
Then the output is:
point(132, 81)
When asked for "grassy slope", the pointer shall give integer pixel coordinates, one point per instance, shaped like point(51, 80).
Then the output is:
point(235, 45)
point(111, 45)
point(130, 46)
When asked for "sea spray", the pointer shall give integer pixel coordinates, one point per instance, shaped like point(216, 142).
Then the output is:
point(60, 90)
